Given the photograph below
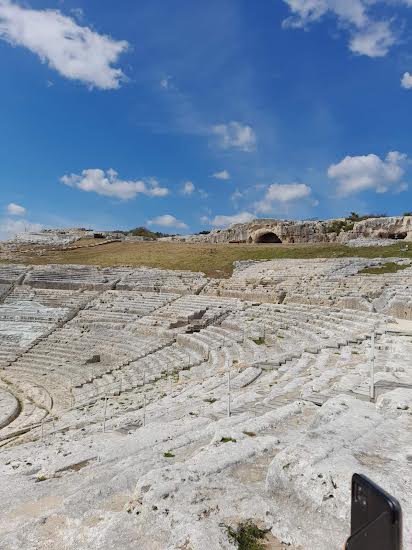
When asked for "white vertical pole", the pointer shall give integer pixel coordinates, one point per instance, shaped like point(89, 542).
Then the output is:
point(372, 370)
point(104, 414)
point(228, 390)
point(144, 397)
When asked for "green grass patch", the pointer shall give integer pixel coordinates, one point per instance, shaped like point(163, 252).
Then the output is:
point(248, 536)
point(210, 400)
point(227, 440)
point(41, 478)
point(389, 267)
point(168, 454)
point(259, 341)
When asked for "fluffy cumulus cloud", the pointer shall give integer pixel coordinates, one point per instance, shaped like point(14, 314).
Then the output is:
point(15, 209)
point(76, 52)
point(223, 175)
point(223, 221)
point(367, 35)
point(95, 180)
point(167, 220)
point(282, 193)
point(235, 135)
point(9, 227)
point(188, 188)
point(369, 172)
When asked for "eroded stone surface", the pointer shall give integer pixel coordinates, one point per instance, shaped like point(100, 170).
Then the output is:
point(123, 439)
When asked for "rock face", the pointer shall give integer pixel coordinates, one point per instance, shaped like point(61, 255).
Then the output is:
point(313, 474)
point(394, 227)
point(286, 231)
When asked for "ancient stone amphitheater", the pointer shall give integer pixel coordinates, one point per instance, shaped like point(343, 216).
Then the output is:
point(150, 409)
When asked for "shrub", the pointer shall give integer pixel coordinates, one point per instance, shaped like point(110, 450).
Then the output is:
point(168, 454)
point(228, 440)
point(259, 341)
point(248, 536)
point(144, 232)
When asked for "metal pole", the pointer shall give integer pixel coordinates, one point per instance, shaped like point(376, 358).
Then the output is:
point(228, 389)
point(372, 370)
point(104, 414)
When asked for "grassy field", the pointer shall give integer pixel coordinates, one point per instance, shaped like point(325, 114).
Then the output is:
point(389, 267)
point(215, 260)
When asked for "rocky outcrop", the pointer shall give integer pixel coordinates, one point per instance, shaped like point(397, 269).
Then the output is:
point(394, 227)
point(288, 231)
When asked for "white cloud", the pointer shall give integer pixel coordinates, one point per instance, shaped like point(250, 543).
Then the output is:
point(374, 40)
point(76, 52)
point(282, 193)
point(223, 221)
point(287, 192)
point(235, 135)
point(355, 174)
point(406, 81)
point(223, 175)
point(9, 228)
point(167, 221)
point(15, 209)
point(309, 11)
point(188, 188)
point(108, 184)
point(367, 36)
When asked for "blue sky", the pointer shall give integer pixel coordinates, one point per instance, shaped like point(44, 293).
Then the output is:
point(184, 116)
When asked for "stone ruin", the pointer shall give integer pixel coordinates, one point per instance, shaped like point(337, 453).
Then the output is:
point(259, 231)
point(156, 409)
point(264, 231)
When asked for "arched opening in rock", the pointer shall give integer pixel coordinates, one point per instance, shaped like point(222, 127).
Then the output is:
point(398, 236)
point(268, 237)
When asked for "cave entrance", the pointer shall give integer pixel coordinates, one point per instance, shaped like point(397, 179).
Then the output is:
point(268, 237)
point(398, 236)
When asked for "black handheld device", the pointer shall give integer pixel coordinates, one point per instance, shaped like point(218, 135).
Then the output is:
point(376, 517)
